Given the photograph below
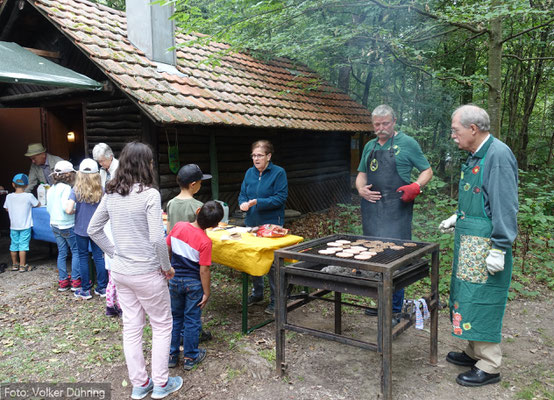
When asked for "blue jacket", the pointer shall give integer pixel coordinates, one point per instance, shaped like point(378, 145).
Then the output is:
point(271, 190)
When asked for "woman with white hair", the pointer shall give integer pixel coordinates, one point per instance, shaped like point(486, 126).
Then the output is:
point(103, 154)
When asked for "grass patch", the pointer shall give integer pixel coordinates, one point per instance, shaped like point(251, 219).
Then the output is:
point(40, 337)
point(536, 390)
point(268, 354)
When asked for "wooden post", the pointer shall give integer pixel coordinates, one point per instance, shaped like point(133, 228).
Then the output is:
point(213, 168)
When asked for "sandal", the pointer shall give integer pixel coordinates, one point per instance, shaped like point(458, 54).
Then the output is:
point(15, 267)
point(22, 268)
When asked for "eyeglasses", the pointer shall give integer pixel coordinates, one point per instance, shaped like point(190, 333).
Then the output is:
point(255, 156)
point(384, 124)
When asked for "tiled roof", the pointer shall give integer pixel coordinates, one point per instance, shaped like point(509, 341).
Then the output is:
point(241, 91)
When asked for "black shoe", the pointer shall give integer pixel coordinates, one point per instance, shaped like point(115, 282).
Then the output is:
point(396, 318)
point(254, 300)
point(477, 377)
point(462, 358)
point(270, 309)
point(205, 336)
point(372, 312)
point(173, 360)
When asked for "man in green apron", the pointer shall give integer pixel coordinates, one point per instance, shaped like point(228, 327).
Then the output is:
point(383, 182)
point(485, 228)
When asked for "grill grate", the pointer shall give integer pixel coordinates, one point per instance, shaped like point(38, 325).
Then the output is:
point(387, 256)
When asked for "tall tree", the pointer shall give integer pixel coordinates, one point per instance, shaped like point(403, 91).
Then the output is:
point(407, 53)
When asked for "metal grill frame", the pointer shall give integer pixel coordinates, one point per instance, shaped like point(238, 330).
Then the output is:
point(389, 277)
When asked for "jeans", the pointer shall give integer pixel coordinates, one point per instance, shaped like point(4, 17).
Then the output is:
point(141, 295)
point(65, 239)
point(186, 294)
point(258, 286)
point(397, 301)
point(97, 256)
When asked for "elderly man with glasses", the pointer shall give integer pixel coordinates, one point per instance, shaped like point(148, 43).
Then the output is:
point(485, 226)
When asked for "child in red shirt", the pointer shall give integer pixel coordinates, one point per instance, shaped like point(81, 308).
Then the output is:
point(191, 257)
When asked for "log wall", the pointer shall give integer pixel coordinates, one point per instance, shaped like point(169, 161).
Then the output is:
point(317, 164)
point(114, 121)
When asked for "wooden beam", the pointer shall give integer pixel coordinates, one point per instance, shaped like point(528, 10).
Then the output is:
point(42, 95)
point(44, 53)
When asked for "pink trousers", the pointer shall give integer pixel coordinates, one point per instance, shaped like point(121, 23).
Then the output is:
point(141, 295)
point(111, 293)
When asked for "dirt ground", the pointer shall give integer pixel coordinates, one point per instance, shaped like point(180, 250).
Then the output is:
point(243, 367)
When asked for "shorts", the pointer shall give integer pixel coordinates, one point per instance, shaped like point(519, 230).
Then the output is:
point(20, 239)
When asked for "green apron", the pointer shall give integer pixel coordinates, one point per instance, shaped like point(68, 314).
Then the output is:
point(477, 298)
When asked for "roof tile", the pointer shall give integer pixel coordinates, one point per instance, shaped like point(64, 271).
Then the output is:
point(240, 91)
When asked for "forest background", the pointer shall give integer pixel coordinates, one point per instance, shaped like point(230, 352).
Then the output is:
point(424, 58)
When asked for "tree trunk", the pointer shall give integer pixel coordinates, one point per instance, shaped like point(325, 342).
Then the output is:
point(344, 78)
point(367, 85)
point(469, 68)
point(495, 72)
point(531, 93)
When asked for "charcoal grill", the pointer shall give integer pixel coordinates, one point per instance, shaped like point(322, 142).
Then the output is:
point(383, 274)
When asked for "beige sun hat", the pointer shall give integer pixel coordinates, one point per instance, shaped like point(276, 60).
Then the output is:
point(34, 149)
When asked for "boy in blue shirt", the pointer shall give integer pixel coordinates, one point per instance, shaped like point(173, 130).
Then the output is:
point(18, 205)
point(191, 257)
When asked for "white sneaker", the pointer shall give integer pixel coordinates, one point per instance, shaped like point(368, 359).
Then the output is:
point(140, 392)
point(173, 384)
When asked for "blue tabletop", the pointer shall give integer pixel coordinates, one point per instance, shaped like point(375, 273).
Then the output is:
point(41, 225)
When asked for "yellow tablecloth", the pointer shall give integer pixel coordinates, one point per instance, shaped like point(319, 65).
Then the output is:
point(251, 254)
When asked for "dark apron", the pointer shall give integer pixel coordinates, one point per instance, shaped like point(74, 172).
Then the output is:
point(477, 298)
point(389, 217)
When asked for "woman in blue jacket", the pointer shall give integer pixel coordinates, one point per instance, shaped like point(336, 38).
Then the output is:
point(263, 195)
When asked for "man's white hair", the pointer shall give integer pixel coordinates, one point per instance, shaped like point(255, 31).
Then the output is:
point(472, 114)
point(382, 111)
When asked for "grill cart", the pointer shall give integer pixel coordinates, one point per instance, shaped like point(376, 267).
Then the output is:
point(392, 265)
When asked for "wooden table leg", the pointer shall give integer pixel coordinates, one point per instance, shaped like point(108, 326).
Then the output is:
point(244, 303)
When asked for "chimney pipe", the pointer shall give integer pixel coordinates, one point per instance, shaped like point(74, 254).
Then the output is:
point(150, 29)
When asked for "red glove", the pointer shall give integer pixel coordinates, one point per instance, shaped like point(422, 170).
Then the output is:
point(410, 191)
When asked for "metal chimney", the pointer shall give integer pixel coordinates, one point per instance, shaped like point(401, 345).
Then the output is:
point(150, 29)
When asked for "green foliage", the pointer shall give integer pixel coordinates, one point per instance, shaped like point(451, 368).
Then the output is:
point(422, 58)
point(117, 4)
point(533, 250)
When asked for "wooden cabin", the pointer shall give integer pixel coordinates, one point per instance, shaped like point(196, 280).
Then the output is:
point(211, 113)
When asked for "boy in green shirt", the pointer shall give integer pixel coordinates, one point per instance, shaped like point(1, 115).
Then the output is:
point(183, 207)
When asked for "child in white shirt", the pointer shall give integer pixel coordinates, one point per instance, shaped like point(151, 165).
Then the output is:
point(18, 205)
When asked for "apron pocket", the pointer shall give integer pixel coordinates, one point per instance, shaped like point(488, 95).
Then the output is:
point(472, 264)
